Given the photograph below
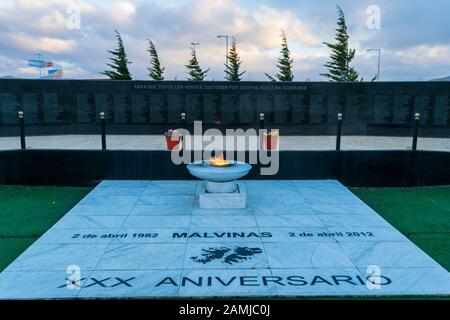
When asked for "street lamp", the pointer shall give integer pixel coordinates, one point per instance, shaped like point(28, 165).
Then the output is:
point(226, 48)
point(379, 60)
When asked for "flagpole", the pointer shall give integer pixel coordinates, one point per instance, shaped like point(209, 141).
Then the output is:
point(40, 69)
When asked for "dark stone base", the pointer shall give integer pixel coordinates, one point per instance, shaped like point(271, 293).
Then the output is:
point(352, 168)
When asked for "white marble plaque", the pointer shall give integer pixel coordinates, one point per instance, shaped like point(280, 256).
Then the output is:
point(144, 239)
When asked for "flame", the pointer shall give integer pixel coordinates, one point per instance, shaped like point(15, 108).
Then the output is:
point(219, 161)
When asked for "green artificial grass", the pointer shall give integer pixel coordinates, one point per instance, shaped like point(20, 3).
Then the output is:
point(27, 212)
point(11, 247)
point(421, 214)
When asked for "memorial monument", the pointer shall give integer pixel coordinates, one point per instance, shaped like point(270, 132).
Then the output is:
point(221, 190)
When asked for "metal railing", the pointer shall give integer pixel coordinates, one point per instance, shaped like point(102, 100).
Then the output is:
point(183, 116)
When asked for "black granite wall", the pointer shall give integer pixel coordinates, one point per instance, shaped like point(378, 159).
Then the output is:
point(305, 108)
point(352, 168)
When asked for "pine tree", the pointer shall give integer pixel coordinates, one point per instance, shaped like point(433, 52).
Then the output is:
point(155, 72)
point(341, 55)
point(194, 71)
point(234, 63)
point(119, 62)
point(285, 62)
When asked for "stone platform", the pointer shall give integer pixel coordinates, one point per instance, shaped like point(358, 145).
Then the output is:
point(150, 239)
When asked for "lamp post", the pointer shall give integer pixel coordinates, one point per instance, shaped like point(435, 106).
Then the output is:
point(194, 44)
point(103, 129)
point(226, 47)
point(22, 130)
point(379, 61)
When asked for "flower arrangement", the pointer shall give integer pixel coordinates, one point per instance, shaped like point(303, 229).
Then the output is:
point(171, 132)
point(172, 139)
point(271, 140)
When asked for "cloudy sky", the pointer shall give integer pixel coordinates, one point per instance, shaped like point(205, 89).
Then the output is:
point(414, 35)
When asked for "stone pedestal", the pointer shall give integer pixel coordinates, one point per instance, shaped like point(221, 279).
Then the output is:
point(221, 187)
point(233, 200)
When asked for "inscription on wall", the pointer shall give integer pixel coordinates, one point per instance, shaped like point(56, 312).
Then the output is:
point(300, 107)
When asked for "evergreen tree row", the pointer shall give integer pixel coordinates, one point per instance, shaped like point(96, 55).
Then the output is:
point(338, 67)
